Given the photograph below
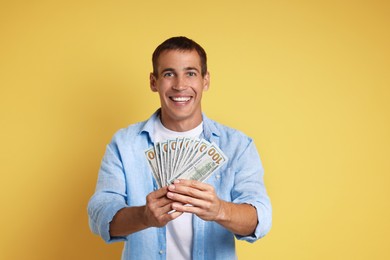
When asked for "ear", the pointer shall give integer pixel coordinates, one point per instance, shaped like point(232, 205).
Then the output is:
point(206, 81)
point(152, 80)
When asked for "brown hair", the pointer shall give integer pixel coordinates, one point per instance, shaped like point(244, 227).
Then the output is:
point(180, 43)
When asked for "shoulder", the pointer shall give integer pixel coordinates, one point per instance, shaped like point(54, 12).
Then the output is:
point(226, 132)
point(228, 137)
point(129, 134)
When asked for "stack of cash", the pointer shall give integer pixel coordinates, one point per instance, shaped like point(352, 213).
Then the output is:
point(183, 158)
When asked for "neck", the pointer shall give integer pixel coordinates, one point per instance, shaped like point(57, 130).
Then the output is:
point(182, 125)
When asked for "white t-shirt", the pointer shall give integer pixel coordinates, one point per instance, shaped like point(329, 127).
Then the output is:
point(179, 231)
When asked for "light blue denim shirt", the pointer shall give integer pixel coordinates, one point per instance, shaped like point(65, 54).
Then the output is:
point(125, 179)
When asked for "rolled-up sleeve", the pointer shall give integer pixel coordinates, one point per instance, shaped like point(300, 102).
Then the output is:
point(249, 188)
point(110, 194)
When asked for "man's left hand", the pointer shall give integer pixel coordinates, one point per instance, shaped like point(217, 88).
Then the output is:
point(196, 197)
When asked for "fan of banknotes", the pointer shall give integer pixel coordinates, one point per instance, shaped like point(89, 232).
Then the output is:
point(184, 158)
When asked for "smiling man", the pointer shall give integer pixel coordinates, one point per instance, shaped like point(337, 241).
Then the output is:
point(180, 82)
point(187, 219)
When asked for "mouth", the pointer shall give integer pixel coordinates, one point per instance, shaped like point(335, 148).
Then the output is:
point(180, 99)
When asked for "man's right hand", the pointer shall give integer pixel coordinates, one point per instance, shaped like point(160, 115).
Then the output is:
point(154, 214)
point(158, 207)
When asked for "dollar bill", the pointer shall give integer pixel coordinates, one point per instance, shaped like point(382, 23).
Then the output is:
point(151, 158)
point(210, 160)
point(185, 158)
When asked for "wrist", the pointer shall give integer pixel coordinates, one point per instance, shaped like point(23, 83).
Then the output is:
point(143, 216)
point(224, 212)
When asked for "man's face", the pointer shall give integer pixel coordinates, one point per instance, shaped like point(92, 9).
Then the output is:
point(180, 85)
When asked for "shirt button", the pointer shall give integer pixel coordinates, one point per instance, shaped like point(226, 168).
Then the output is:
point(161, 252)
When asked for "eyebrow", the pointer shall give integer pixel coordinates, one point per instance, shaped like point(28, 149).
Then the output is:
point(191, 68)
point(185, 69)
point(167, 69)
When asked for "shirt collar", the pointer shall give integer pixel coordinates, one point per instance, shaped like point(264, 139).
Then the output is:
point(209, 128)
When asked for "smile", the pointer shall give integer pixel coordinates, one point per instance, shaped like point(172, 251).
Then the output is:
point(180, 99)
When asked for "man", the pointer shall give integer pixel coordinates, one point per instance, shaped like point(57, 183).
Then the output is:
point(187, 219)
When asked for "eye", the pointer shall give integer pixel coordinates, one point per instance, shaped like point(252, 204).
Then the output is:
point(168, 74)
point(191, 74)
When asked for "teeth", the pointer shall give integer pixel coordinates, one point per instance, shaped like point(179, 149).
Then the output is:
point(180, 99)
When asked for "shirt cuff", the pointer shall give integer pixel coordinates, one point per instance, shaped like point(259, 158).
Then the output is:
point(105, 220)
point(264, 223)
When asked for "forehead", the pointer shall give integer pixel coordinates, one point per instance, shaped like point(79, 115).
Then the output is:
point(178, 59)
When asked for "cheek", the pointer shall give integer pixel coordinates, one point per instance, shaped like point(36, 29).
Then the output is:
point(199, 92)
point(162, 89)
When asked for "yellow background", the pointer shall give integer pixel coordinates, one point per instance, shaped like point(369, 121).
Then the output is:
point(308, 80)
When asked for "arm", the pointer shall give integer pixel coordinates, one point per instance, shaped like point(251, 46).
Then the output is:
point(109, 214)
point(241, 219)
point(249, 198)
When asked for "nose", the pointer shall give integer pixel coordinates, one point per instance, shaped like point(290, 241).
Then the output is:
point(180, 84)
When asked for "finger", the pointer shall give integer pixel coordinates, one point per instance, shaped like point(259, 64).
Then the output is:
point(184, 199)
point(160, 206)
point(193, 184)
point(179, 207)
point(160, 215)
point(175, 214)
point(158, 197)
point(161, 202)
point(191, 191)
point(158, 193)
point(169, 217)
point(167, 213)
